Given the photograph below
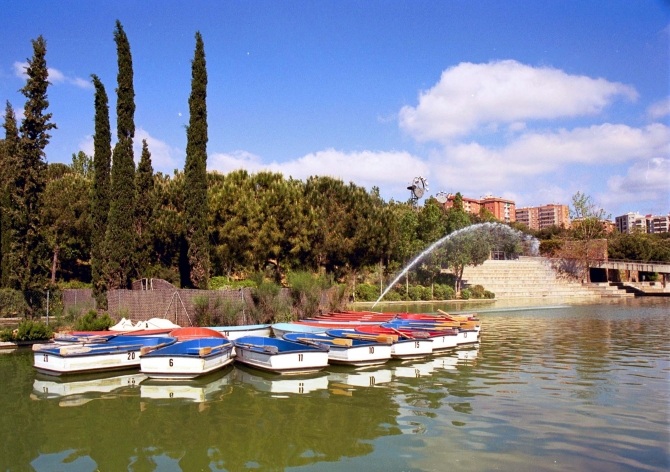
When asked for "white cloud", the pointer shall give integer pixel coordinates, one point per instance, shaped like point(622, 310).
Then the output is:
point(164, 158)
point(645, 180)
point(470, 97)
point(235, 160)
point(55, 76)
point(86, 145)
point(659, 109)
point(391, 170)
point(20, 70)
point(532, 155)
point(517, 126)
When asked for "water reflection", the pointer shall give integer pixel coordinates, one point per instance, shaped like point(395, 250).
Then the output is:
point(205, 389)
point(583, 387)
point(278, 384)
point(347, 378)
point(78, 390)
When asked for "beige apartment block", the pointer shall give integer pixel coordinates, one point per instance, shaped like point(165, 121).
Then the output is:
point(544, 216)
point(635, 222)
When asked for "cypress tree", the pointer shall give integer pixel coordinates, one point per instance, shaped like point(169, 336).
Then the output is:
point(102, 145)
point(8, 156)
point(195, 173)
point(120, 236)
point(30, 171)
point(144, 182)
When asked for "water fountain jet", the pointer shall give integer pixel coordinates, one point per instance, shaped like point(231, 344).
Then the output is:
point(489, 225)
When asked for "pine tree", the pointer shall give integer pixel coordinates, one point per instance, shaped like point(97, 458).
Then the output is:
point(144, 182)
point(120, 235)
point(195, 189)
point(30, 173)
point(102, 157)
point(9, 150)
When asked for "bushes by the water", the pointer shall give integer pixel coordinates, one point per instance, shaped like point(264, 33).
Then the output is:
point(28, 330)
point(270, 304)
point(306, 292)
point(367, 292)
point(91, 322)
point(12, 303)
point(443, 292)
point(478, 291)
point(393, 296)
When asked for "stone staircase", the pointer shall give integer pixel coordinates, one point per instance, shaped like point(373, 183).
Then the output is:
point(610, 290)
point(531, 277)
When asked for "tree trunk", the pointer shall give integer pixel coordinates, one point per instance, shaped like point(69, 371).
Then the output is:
point(54, 264)
point(381, 278)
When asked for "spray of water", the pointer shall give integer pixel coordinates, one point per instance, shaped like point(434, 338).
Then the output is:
point(493, 227)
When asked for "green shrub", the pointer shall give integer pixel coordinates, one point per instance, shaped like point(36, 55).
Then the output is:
point(226, 312)
point(270, 304)
point(203, 315)
point(367, 292)
point(91, 322)
point(222, 283)
point(306, 291)
point(477, 291)
point(392, 296)
point(12, 303)
point(443, 292)
point(426, 293)
point(28, 330)
point(74, 284)
point(489, 294)
point(465, 294)
point(415, 292)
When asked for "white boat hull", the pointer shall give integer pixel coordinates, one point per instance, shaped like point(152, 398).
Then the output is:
point(441, 343)
point(56, 364)
point(412, 349)
point(360, 355)
point(283, 363)
point(467, 337)
point(170, 367)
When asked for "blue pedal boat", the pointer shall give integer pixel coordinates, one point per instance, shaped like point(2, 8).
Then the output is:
point(188, 359)
point(280, 356)
point(354, 352)
point(120, 352)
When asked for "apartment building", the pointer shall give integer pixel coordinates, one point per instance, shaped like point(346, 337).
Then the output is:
point(470, 205)
point(544, 216)
point(658, 224)
point(528, 216)
point(631, 222)
point(502, 209)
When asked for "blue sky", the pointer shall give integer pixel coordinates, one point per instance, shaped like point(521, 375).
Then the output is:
point(529, 100)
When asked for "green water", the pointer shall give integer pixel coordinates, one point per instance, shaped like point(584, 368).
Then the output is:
point(554, 388)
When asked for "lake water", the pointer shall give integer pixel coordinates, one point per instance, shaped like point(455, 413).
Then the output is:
point(582, 387)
